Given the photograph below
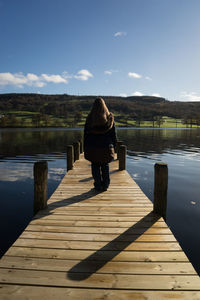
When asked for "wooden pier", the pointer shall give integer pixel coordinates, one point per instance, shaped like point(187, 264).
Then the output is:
point(89, 245)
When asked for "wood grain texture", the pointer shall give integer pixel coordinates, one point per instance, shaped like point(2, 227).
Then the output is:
point(19, 292)
point(88, 245)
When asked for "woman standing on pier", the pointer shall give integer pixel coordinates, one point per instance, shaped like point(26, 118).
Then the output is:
point(99, 143)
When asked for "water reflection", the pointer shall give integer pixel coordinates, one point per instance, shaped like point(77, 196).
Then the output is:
point(24, 171)
point(33, 142)
point(149, 141)
point(54, 141)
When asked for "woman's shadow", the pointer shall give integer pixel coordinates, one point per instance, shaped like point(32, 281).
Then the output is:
point(66, 202)
point(101, 257)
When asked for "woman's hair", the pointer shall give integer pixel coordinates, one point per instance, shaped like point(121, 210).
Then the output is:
point(99, 113)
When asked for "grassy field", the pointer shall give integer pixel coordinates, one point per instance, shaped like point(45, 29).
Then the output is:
point(33, 119)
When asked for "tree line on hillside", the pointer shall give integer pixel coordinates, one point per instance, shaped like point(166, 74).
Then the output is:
point(137, 108)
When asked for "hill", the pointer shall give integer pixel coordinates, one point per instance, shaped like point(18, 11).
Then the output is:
point(70, 110)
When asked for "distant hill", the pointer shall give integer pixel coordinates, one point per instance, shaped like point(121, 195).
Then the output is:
point(134, 107)
point(56, 104)
point(38, 102)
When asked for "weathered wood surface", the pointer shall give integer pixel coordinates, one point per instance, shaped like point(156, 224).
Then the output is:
point(88, 245)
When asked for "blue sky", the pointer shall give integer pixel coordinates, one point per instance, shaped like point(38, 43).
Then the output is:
point(101, 47)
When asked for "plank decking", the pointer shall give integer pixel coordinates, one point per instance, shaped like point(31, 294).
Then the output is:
point(89, 245)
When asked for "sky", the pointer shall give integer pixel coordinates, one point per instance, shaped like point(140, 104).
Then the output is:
point(101, 47)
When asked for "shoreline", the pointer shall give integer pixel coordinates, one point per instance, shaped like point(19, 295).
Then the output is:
point(82, 128)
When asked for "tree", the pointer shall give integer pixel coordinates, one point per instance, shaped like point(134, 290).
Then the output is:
point(159, 120)
point(4, 121)
point(198, 120)
point(139, 118)
point(78, 116)
point(13, 122)
point(189, 120)
point(22, 122)
point(152, 118)
point(45, 119)
point(58, 123)
point(36, 120)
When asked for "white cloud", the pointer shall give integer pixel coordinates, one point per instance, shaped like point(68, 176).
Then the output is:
point(30, 79)
point(137, 94)
point(108, 72)
point(120, 33)
point(65, 75)
point(148, 78)
point(39, 84)
point(134, 75)
point(53, 78)
point(83, 75)
point(20, 80)
point(192, 96)
point(17, 79)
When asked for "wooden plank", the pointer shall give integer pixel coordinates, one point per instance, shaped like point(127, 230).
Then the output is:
point(95, 280)
point(90, 224)
point(74, 212)
point(132, 230)
point(20, 292)
point(103, 210)
point(139, 246)
point(98, 237)
point(121, 203)
point(97, 214)
point(90, 266)
point(112, 192)
point(48, 216)
point(117, 255)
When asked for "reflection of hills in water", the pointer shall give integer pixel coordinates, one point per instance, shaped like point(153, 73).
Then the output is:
point(142, 142)
point(36, 142)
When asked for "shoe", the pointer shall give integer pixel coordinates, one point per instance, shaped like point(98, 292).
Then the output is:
point(98, 189)
point(104, 188)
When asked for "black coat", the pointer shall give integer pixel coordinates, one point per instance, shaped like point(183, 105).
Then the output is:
point(99, 143)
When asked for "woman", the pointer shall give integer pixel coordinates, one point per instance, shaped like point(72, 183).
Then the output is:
point(99, 143)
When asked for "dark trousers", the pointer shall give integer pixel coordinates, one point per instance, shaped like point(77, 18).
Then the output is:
point(100, 173)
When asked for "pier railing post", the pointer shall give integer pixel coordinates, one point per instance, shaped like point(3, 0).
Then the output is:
point(76, 151)
point(70, 157)
point(160, 189)
point(122, 157)
point(119, 143)
point(40, 185)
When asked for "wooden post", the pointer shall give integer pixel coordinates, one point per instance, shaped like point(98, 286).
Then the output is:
point(76, 151)
point(122, 157)
point(119, 143)
point(160, 189)
point(40, 185)
point(70, 157)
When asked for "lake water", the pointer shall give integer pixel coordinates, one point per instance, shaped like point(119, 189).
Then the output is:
point(179, 148)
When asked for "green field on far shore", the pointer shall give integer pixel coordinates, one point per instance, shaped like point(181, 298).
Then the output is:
point(27, 119)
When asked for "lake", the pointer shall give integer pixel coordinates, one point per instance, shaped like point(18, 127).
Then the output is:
point(179, 148)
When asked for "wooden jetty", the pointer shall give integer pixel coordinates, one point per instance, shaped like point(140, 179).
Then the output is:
point(89, 245)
